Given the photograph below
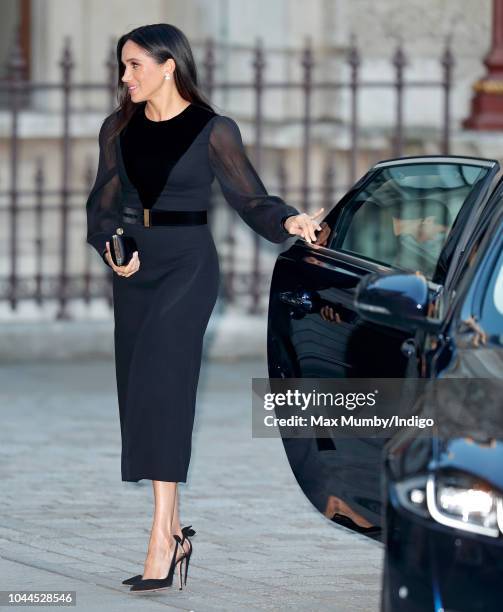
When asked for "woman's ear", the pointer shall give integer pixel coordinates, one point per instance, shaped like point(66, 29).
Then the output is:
point(169, 65)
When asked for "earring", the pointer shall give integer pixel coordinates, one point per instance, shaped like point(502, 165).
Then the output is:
point(166, 76)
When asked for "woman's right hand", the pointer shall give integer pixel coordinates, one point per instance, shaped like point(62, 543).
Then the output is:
point(132, 266)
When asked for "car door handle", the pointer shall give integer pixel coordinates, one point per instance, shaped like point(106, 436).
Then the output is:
point(301, 300)
point(409, 347)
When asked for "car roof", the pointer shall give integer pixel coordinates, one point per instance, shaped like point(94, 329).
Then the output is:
point(440, 159)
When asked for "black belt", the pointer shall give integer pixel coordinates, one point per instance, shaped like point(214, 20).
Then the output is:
point(148, 217)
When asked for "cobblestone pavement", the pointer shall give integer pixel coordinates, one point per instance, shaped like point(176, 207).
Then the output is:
point(69, 523)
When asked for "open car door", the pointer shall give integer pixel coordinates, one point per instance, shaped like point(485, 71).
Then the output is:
point(404, 215)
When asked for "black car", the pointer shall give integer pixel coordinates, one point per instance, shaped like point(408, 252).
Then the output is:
point(406, 281)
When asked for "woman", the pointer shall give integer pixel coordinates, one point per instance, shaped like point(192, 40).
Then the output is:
point(160, 151)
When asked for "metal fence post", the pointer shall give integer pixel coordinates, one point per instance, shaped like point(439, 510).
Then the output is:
point(15, 71)
point(447, 65)
point(399, 61)
point(307, 64)
point(259, 66)
point(66, 68)
point(354, 64)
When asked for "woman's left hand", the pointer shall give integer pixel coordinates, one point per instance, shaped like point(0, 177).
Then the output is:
point(303, 225)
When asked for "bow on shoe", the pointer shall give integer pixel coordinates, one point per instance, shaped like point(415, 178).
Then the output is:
point(187, 531)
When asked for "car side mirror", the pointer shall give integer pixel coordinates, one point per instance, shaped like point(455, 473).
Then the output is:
point(395, 300)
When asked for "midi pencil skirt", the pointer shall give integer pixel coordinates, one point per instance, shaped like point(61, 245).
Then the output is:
point(160, 316)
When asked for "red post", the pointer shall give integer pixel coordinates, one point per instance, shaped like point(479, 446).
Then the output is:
point(487, 102)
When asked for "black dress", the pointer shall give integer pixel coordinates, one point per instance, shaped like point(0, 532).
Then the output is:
point(161, 312)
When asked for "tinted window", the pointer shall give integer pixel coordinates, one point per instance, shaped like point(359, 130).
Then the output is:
point(492, 307)
point(403, 216)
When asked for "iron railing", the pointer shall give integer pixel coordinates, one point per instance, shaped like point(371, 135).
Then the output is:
point(61, 281)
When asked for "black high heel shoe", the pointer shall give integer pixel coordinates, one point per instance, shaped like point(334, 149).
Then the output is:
point(158, 584)
point(185, 558)
point(186, 532)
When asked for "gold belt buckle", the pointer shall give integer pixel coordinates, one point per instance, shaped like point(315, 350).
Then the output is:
point(146, 217)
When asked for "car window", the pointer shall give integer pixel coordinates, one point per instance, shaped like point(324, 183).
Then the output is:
point(492, 305)
point(403, 215)
point(498, 291)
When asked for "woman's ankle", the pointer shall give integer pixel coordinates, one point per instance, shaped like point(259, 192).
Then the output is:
point(177, 530)
point(161, 536)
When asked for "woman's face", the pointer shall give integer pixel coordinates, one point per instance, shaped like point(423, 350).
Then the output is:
point(142, 74)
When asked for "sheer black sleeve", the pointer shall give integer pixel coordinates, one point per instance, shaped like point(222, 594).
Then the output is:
point(241, 185)
point(103, 202)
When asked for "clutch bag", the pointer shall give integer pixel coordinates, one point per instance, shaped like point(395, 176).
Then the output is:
point(122, 249)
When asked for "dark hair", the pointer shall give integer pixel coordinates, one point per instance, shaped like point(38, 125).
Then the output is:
point(162, 41)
